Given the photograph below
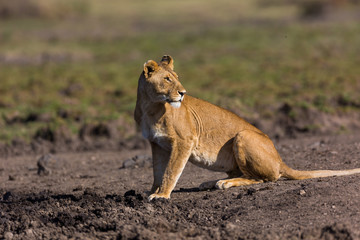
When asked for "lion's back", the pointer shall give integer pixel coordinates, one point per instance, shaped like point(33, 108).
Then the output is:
point(213, 117)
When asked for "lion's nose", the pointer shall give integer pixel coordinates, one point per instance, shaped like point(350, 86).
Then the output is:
point(182, 93)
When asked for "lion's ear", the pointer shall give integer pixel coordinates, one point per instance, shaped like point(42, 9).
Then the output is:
point(168, 61)
point(150, 67)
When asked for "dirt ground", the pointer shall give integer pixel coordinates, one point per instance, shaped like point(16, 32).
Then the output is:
point(101, 195)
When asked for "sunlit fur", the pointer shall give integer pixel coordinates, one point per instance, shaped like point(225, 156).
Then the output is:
point(182, 128)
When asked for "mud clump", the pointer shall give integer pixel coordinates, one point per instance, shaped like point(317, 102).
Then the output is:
point(137, 161)
point(96, 130)
point(46, 164)
point(334, 231)
point(133, 199)
point(16, 118)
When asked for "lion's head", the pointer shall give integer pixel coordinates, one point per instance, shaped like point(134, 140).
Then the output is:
point(162, 83)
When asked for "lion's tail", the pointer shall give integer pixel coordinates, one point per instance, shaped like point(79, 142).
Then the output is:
point(293, 174)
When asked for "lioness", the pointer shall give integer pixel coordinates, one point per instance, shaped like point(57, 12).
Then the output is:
point(182, 128)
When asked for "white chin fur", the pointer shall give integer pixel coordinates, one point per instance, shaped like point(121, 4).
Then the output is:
point(175, 104)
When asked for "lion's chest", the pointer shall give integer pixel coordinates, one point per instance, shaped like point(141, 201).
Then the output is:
point(156, 133)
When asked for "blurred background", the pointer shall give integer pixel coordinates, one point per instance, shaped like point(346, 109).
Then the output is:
point(69, 68)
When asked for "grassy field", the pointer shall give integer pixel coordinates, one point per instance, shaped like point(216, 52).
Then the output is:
point(73, 62)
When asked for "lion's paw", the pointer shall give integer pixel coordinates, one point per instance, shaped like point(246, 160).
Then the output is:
point(222, 184)
point(157, 196)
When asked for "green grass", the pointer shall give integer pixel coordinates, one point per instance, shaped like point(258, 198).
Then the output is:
point(240, 55)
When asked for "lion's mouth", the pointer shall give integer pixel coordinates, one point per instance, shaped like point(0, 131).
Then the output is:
point(175, 104)
point(178, 100)
point(171, 101)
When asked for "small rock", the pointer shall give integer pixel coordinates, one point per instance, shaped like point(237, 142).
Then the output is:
point(130, 163)
point(34, 224)
point(140, 158)
point(191, 213)
point(145, 161)
point(8, 235)
point(12, 178)
point(302, 192)
point(315, 145)
point(43, 165)
point(78, 188)
point(7, 196)
point(230, 227)
point(251, 191)
point(137, 161)
point(149, 208)
point(29, 232)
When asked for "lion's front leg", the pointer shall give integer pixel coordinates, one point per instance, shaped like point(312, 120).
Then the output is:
point(160, 159)
point(178, 158)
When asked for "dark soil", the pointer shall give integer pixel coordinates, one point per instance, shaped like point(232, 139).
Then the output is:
point(101, 195)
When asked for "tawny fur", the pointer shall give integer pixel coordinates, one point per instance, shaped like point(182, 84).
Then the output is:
point(183, 128)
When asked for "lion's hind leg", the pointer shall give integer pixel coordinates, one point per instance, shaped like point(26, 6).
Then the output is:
point(256, 158)
point(235, 182)
point(227, 183)
point(213, 184)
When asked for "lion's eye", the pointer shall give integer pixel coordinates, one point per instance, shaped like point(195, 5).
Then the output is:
point(168, 79)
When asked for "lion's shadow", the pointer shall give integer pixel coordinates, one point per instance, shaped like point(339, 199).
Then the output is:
point(188, 190)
